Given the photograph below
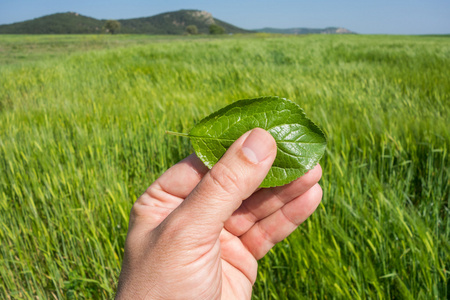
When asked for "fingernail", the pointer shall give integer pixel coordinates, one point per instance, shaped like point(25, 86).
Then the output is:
point(258, 145)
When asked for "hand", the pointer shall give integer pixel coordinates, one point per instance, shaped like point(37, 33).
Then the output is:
point(197, 233)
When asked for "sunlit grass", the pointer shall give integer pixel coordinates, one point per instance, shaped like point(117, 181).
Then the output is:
point(82, 136)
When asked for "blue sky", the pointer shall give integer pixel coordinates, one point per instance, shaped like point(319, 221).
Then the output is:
point(370, 17)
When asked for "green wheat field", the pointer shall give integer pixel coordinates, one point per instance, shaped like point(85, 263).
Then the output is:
point(82, 134)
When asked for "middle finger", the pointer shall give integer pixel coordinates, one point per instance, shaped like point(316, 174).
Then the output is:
point(267, 201)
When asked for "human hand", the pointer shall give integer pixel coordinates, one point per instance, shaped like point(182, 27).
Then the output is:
point(197, 233)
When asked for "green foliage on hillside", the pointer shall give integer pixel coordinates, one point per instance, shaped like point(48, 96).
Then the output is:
point(60, 23)
point(167, 23)
point(191, 29)
point(216, 29)
point(112, 26)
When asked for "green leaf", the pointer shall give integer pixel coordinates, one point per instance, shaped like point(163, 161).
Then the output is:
point(300, 142)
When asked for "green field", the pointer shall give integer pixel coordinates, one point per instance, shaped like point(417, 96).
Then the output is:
point(82, 134)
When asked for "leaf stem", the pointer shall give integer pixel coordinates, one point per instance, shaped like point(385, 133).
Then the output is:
point(177, 133)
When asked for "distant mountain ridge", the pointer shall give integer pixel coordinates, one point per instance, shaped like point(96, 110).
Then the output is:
point(166, 23)
point(174, 23)
point(301, 30)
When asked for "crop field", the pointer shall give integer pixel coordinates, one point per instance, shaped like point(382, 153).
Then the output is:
point(82, 135)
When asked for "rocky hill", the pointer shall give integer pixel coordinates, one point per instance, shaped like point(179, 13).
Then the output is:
point(166, 23)
point(176, 23)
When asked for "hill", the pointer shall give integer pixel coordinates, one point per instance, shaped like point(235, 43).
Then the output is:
point(60, 23)
point(328, 30)
point(176, 23)
point(165, 23)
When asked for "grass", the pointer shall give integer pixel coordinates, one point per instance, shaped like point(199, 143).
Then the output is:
point(82, 134)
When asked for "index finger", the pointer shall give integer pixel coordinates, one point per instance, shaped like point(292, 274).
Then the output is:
point(168, 192)
point(181, 178)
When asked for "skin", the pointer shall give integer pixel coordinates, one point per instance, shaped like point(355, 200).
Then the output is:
point(198, 234)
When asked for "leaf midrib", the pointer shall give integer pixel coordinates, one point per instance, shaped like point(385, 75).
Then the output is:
point(232, 140)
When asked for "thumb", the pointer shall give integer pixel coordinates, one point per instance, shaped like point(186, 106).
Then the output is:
point(230, 181)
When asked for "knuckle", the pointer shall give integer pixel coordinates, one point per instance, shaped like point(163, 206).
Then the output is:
point(146, 209)
point(225, 178)
point(136, 212)
point(139, 207)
